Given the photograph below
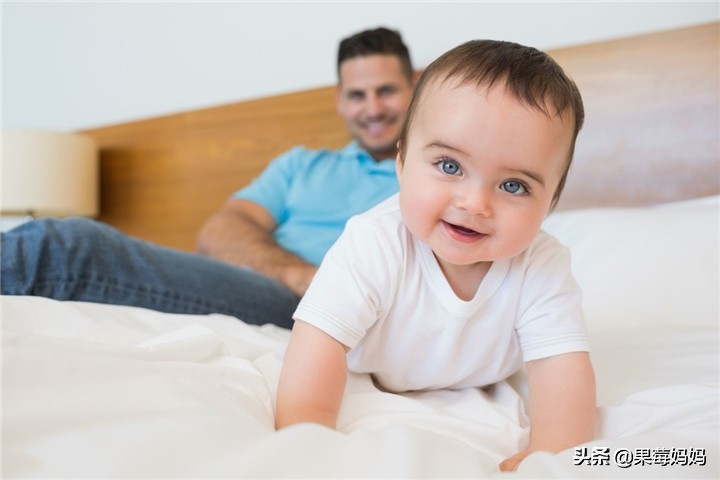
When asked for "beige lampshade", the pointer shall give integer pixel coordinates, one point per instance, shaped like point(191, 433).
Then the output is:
point(49, 174)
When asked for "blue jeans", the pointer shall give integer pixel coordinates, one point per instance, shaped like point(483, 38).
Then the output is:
point(84, 260)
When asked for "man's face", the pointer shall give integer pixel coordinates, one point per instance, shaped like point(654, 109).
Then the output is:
point(373, 97)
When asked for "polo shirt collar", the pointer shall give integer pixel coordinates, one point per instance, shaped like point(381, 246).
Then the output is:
point(383, 166)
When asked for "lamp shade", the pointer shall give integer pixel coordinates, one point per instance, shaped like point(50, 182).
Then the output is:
point(49, 174)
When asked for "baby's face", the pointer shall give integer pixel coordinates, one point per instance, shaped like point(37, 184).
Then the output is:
point(479, 173)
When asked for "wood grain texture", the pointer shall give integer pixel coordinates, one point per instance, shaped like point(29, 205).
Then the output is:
point(652, 131)
point(651, 135)
point(162, 178)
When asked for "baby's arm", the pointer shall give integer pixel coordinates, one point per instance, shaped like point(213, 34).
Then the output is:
point(562, 404)
point(312, 380)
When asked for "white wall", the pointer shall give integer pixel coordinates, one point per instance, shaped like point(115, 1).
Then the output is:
point(69, 66)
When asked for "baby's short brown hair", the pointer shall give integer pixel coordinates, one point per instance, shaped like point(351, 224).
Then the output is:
point(532, 76)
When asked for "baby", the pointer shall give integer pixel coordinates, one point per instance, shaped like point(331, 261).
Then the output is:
point(451, 283)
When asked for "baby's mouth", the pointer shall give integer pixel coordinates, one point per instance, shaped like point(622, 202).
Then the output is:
point(463, 230)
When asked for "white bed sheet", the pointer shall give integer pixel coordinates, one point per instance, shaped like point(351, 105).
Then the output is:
point(98, 391)
point(104, 391)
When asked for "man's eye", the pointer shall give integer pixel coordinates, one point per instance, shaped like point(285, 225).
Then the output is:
point(514, 187)
point(448, 167)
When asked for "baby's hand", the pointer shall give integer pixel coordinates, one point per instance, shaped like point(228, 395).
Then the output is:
point(511, 464)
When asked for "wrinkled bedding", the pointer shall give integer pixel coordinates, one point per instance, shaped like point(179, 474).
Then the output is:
point(99, 391)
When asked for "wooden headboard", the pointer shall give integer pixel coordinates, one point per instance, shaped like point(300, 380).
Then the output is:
point(651, 135)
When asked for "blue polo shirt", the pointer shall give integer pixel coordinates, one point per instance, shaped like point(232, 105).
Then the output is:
point(312, 193)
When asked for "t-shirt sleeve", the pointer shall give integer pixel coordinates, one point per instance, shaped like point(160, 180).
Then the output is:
point(353, 284)
point(272, 187)
point(551, 320)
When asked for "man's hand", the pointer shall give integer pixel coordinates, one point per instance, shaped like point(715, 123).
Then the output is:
point(241, 233)
point(298, 277)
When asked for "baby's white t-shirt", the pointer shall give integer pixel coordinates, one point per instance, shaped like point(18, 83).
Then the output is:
point(381, 292)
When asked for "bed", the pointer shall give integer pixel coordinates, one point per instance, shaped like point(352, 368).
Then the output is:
point(99, 391)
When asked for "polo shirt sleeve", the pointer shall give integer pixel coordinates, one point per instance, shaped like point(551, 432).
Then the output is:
point(551, 320)
point(272, 187)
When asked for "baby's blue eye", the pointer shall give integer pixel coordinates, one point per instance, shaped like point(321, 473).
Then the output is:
point(449, 167)
point(514, 187)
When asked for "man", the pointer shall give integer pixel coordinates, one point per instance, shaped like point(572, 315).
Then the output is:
point(259, 252)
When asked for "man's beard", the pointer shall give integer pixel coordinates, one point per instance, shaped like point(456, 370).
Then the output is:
point(381, 152)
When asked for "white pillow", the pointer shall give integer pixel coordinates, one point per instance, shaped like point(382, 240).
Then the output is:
point(645, 267)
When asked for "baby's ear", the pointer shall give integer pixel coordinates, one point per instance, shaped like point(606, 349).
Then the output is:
point(416, 76)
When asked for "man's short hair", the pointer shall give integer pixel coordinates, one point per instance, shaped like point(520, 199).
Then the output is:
point(378, 41)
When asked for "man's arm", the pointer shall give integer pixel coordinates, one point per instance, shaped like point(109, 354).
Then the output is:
point(241, 233)
point(562, 405)
point(312, 380)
